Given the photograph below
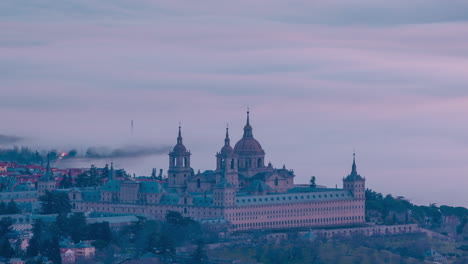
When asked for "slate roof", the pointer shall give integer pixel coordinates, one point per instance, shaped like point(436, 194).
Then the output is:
point(111, 186)
point(257, 186)
point(151, 187)
point(170, 198)
point(243, 199)
point(91, 195)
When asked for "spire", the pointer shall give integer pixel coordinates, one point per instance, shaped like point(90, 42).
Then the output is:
point(111, 172)
point(227, 141)
point(353, 169)
point(354, 174)
point(48, 163)
point(179, 138)
point(248, 127)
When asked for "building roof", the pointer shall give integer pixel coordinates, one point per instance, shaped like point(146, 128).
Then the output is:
point(91, 195)
point(203, 200)
point(111, 185)
point(170, 198)
point(179, 147)
point(257, 186)
point(151, 187)
point(248, 144)
point(283, 198)
point(354, 176)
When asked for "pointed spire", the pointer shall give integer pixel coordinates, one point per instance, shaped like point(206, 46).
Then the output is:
point(227, 141)
point(111, 172)
point(248, 127)
point(179, 138)
point(353, 169)
point(48, 163)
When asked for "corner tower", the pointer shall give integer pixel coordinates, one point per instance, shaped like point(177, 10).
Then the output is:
point(227, 162)
point(355, 183)
point(179, 166)
point(250, 153)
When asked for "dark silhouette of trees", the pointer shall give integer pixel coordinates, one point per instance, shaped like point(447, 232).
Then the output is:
point(10, 208)
point(55, 202)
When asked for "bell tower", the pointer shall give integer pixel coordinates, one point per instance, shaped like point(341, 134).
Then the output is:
point(226, 162)
point(355, 183)
point(179, 166)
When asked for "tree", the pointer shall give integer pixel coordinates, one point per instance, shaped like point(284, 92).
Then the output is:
point(199, 255)
point(105, 171)
point(312, 182)
point(51, 250)
point(12, 208)
point(5, 226)
point(35, 242)
point(77, 224)
point(89, 178)
point(67, 181)
point(165, 245)
point(100, 231)
point(5, 248)
point(3, 208)
point(55, 203)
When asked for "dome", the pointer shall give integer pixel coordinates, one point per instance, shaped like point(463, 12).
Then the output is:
point(248, 144)
point(179, 148)
point(227, 150)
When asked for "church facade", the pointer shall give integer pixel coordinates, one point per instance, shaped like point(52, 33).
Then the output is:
point(241, 192)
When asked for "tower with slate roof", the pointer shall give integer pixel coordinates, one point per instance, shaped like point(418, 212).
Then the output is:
point(355, 183)
point(226, 163)
point(224, 193)
point(179, 166)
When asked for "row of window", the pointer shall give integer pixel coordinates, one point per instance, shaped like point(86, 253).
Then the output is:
point(284, 198)
point(318, 221)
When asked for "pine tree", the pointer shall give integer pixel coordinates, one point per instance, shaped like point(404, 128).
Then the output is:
point(35, 242)
point(5, 249)
point(12, 208)
point(3, 208)
point(199, 255)
point(77, 224)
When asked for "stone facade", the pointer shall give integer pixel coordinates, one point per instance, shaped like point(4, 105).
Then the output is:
point(240, 191)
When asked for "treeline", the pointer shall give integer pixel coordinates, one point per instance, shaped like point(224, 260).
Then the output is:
point(408, 249)
point(9, 208)
point(162, 237)
point(398, 210)
point(89, 178)
point(22, 155)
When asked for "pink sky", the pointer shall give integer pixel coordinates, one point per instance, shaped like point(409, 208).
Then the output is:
point(387, 78)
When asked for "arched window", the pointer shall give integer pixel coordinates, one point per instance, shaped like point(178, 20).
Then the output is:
point(223, 163)
point(174, 160)
point(259, 163)
point(276, 181)
point(248, 163)
point(185, 200)
point(185, 162)
point(198, 183)
point(232, 164)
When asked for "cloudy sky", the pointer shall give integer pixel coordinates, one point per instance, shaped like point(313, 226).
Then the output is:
point(387, 78)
